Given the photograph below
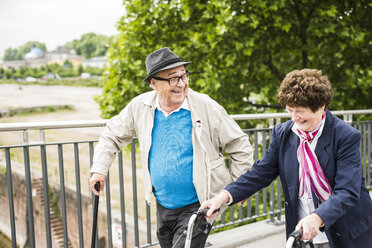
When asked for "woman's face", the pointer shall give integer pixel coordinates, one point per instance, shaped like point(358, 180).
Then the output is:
point(305, 118)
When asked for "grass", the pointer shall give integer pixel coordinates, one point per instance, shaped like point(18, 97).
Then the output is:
point(4, 241)
point(38, 109)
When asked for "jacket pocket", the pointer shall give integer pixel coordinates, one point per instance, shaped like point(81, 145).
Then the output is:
point(218, 176)
point(360, 228)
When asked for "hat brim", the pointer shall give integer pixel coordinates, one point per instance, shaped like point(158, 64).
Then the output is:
point(148, 78)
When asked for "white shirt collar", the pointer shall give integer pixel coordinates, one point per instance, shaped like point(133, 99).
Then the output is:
point(315, 139)
point(184, 105)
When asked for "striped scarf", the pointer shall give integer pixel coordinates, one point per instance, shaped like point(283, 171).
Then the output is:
point(311, 174)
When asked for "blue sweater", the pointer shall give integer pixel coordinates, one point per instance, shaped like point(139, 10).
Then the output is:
point(171, 159)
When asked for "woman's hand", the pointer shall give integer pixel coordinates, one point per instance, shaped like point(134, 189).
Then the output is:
point(310, 226)
point(97, 177)
point(215, 203)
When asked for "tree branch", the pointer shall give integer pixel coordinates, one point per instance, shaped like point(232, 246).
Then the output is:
point(303, 26)
point(273, 69)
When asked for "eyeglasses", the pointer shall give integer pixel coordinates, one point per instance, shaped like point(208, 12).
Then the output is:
point(174, 80)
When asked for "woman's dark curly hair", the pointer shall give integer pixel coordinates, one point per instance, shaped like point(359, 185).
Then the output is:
point(305, 88)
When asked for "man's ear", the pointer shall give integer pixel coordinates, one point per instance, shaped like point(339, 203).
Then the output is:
point(153, 83)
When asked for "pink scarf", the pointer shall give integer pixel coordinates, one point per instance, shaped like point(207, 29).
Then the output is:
point(311, 174)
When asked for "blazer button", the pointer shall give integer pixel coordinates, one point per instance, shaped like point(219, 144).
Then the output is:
point(286, 204)
point(338, 234)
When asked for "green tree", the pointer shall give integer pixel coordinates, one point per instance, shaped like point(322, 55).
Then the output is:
point(54, 68)
point(80, 69)
point(11, 54)
point(26, 48)
point(93, 70)
point(19, 53)
point(90, 45)
point(244, 48)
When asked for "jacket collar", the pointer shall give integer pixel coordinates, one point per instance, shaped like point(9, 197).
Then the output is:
point(324, 140)
point(150, 100)
point(291, 165)
point(191, 98)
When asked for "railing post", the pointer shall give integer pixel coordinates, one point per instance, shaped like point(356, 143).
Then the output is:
point(25, 137)
point(278, 120)
point(30, 209)
point(78, 195)
point(10, 196)
point(135, 199)
point(122, 201)
point(63, 194)
point(46, 196)
point(271, 122)
point(348, 118)
point(42, 135)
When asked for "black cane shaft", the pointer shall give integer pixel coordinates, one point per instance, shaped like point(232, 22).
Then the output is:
point(95, 215)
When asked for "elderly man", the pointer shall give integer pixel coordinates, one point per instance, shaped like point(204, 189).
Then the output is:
point(183, 135)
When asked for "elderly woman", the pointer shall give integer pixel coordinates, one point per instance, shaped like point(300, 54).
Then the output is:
point(317, 157)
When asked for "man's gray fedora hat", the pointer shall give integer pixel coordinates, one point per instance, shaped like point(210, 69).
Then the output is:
point(161, 60)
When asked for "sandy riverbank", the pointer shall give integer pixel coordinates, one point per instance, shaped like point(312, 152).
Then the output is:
point(81, 98)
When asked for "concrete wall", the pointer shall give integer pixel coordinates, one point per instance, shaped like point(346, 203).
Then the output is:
point(20, 208)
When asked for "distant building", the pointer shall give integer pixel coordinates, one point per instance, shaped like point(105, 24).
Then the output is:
point(37, 58)
point(99, 62)
point(35, 53)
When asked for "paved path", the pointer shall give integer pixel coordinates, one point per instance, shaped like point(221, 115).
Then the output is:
point(255, 235)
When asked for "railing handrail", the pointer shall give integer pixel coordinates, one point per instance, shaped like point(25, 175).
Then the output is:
point(242, 117)
point(22, 126)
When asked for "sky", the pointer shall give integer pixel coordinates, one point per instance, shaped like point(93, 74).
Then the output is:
point(55, 22)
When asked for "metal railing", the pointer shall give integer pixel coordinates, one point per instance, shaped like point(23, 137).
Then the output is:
point(127, 220)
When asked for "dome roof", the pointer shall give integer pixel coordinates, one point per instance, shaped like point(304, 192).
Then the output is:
point(34, 53)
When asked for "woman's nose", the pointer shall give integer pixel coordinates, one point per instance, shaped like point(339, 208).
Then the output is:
point(294, 117)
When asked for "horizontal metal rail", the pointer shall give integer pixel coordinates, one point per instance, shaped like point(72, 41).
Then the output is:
point(4, 127)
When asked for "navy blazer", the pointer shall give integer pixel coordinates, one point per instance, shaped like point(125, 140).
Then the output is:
point(347, 214)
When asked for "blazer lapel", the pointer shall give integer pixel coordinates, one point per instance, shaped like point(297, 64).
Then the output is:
point(291, 166)
point(324, 140)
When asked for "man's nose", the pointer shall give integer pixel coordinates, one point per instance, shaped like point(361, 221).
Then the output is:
point(180, 82)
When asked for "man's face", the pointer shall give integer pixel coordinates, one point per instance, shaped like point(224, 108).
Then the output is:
point(171, 97)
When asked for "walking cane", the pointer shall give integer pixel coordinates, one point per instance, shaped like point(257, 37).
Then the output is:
point(97, 186)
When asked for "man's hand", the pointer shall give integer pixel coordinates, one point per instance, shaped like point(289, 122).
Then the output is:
point(97, 177)
point(310, 226)
point(215, 203)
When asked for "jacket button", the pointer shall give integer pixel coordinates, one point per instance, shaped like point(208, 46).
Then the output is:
point(338, 234)
point(286, 204)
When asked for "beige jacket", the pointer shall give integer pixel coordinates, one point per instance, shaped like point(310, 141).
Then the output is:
point(213, 132)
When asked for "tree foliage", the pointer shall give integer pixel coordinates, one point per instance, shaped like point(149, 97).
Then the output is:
point(243, 48)
point(19, 53)
point(63, 71)
point(90, 45)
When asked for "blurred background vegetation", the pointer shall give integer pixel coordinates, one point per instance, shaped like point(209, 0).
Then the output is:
point(89, 45)
point(241, 50)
